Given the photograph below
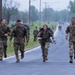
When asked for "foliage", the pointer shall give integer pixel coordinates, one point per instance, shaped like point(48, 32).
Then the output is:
point(9, 9)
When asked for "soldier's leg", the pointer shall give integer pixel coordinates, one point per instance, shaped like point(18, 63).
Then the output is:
point(74, 49)
point(43, 52)
point(22, 51)
point(46, 50)
point(1, 50)
point(71, 53)
point(5, 48)
point(16, 52)
point(35, 38)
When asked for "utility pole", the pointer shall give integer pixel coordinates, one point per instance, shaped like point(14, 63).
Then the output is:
point(40, 14)
point(45, 18)
point(0, 9)
point(29, 12)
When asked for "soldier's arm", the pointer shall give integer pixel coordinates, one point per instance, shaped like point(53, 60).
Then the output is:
point(8, 30)
point(11, 34)
point(39, 37)
point(52, 37)
point(26, 35)
point(67, 31)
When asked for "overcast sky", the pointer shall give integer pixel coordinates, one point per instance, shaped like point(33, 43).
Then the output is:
point(55, 4)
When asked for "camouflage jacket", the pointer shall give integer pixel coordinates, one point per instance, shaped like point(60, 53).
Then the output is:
point(4, 30)
point(45, 35)
point(19, 33)
point(71, 31)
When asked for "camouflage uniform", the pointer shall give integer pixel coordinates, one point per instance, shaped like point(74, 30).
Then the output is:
point(45, 42)
point(35, 33)
point(19, 39)
point(71, 30)
point(3, 39)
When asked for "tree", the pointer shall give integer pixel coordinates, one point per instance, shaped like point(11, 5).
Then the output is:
point(9, 8)
point(72, 7)
point(33, 14)
point(24, 16)
point(0, 9)
point(48, 14)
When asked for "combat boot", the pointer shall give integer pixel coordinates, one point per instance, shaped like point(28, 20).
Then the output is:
point(44, 60)
point(74, 55)
point(22, 55)
point(5, 56)
point(71, 60)
point(17, 61)
point(1, 58)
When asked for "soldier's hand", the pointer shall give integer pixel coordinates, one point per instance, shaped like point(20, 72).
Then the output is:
point(5, 34)
point(66, 37)
point(54, 42)
point(10, 44)
point(26, 43)
point(39, 38)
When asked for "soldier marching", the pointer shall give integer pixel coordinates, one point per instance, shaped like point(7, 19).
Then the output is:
point(4, 33)
point(70, 32)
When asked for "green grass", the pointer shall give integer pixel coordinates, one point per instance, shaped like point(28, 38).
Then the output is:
point(31, 44)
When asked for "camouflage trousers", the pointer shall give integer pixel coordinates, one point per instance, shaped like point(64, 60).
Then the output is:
point(44, 48)
point(19, 46)
point(1, 49)
point(72, 49)
point(5, 48)
point(35, 38)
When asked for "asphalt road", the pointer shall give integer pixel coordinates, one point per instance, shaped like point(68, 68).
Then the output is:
point(57, 64)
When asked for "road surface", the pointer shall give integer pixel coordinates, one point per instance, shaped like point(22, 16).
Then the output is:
point(58, 63)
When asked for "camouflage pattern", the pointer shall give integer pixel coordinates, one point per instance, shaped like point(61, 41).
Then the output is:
point(20, 33)
point(45, 42)
point(1, 49)
point(71, 30)
point(4, 30)
point(44, 48)
point(19, 45)
point(35, 33)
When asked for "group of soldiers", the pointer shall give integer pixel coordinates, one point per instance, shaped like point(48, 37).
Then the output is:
point(20, 34)
point(21, 38)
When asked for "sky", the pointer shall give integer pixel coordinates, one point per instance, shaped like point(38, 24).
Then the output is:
point(55, 4)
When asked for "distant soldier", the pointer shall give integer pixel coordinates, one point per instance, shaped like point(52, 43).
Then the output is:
point(70, 31)
point(4, 32)
point(35, 33)
point(20, 37)
point(60, 27)
point(44, 38)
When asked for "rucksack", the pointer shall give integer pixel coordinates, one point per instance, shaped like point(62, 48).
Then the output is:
point(41, 29)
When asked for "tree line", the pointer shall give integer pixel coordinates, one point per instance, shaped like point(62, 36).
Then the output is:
point(11, 13)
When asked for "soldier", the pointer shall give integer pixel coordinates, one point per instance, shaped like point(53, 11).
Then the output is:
point(70, 31)
point(20, 33)
point(4, 32)
point(44, 39)
point(35, 33)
